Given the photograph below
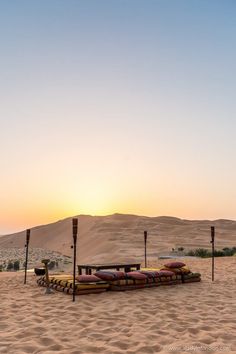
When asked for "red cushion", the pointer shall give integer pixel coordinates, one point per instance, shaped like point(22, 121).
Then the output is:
point(105, 275)
point(117, 274)
point(87, 278)
point(175, 265)
point(136, 275)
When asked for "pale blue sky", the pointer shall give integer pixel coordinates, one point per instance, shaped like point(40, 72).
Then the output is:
point(117, 105)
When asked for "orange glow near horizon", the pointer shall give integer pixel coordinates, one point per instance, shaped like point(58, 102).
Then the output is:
point(41, 198)
point(103, 194)
point(98, 201)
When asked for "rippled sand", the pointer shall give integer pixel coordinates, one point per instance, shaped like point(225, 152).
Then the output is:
point(197, 317)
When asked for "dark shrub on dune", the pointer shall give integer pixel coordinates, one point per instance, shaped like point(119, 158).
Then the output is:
point(204, 253)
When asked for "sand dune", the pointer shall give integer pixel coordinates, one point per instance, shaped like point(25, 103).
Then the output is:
point(120, 237)
point(185, 318)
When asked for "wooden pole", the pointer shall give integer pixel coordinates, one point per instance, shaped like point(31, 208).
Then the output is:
point(26, 252)
point(75, 231)
point(213, 251)
point(145, 248)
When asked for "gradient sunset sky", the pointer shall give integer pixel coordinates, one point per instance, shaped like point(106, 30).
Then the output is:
point(117, 106)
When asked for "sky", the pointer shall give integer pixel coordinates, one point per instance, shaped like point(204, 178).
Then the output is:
point(116, 106)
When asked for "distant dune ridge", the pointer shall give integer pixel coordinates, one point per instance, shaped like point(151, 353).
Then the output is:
point(120, 236)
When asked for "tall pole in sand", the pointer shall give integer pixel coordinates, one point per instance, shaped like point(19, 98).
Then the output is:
point(145, 248)
point(75, 231)
point(26, 252)
point(213, 251)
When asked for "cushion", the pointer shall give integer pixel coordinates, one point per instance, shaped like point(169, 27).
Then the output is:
point(117, 274)
point(149, 273)
point(151, 269)
point(175, 270)
point(136, 275)
point(165, 273)
point(67, 287)
point(87, 278)
point(175, 265)
point(111, 275)
point(192, 275)
point(182, 270)
point(121, 282)
point(185, 270)
point(105, 275)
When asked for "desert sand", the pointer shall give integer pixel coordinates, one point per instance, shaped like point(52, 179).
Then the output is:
point(191, 318)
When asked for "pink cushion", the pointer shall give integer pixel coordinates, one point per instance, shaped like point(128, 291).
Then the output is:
point(136, 275)
point(175, 265)
point(87, 278)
